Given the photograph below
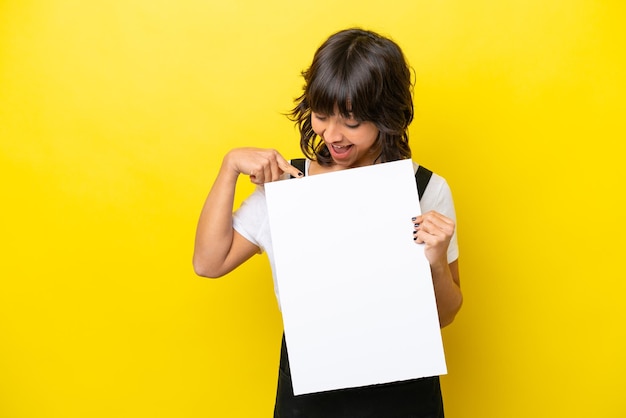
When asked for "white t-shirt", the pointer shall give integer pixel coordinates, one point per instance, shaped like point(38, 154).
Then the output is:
point(251, 219)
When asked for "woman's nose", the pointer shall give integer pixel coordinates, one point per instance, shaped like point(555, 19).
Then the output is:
point(332, 132)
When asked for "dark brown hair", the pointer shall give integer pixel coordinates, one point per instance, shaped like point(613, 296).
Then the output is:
point(365, 76)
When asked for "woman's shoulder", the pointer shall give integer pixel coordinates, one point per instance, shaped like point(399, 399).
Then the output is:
point(436, 180)
point(301, 164)
point(437, 195)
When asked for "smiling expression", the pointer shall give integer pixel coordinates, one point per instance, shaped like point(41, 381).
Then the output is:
point(351, 142)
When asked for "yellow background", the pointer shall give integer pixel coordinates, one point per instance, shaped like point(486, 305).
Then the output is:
point(114, 117)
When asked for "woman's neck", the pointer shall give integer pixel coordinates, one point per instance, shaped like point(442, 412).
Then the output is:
point(317, 168)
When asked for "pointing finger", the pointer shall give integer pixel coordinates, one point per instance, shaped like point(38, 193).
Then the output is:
point(288, 168)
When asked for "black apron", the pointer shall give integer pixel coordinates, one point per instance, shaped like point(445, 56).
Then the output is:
point(417, 398)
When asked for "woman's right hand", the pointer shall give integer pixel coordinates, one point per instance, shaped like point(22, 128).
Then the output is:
point(262, 165)
point(218, 247)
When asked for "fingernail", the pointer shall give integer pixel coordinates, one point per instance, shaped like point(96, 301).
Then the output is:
point(414, 238)
point(414, 232)
point(417, 225)
point(300, 174)
point(413, 219)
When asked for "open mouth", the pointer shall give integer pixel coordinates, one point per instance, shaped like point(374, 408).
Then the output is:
point(341, 149)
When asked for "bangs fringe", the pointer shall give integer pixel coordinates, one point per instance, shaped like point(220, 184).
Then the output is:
point(340, 90)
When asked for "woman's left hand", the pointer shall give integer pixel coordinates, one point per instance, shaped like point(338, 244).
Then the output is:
point(435, 231)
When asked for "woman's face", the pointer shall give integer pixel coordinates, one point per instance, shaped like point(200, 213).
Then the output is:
point(350, 142)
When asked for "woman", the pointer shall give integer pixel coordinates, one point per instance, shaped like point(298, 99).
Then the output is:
point(355, 111)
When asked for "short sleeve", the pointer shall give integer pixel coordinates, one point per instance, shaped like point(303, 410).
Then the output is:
point(250, 220)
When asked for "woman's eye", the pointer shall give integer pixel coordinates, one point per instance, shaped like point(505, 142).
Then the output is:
point(319, 117)
point(352, 123)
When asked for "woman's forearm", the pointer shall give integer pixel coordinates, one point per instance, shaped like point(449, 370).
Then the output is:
point(447, 291)
point(214, 233)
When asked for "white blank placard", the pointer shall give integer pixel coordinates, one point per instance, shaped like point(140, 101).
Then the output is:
point(355, 290)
